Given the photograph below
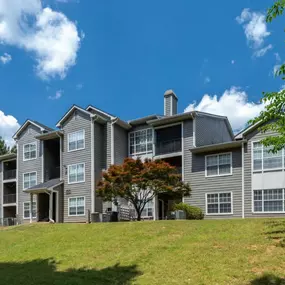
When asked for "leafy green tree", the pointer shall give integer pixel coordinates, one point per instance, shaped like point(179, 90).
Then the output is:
point(13, 149)
point(4, 149)
point(273, 116)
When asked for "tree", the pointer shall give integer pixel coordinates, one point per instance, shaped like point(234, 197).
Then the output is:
point(139, 182)
point(4, 149)
point(273, 116)
point(13, 149)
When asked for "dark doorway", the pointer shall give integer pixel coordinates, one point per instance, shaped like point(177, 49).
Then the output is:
point(43, 207)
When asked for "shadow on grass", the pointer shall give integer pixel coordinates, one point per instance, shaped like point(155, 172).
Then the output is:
point(276, 232)
point(268, 279)
point(43, 272)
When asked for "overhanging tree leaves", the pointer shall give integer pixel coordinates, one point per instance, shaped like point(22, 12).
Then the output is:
point(273, 116)
point(139, 182)
point(4, 149)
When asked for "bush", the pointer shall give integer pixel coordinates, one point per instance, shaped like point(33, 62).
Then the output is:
point(192, 212)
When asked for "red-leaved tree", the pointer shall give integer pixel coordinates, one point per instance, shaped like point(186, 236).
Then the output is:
point(139, 182)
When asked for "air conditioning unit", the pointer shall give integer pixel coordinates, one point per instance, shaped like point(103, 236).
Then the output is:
point(180, 215)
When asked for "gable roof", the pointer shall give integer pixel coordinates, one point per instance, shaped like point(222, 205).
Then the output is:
point(247, 130)
point(142, 120)
point(68, 113)
point(35, 123)
point(91, 107)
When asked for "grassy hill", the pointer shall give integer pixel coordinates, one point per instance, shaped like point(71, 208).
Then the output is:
point(165, 252)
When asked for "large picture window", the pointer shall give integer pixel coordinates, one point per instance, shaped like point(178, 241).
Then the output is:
point(76, 140)
point(30, 151)
point(76, 173)
point(219, 164)
point(26, 210)
point(76, 206)
point(29, 179)
point(271, 200)
point(141, 142)
point(219, 203)
point(148, 210)
point(264, 159)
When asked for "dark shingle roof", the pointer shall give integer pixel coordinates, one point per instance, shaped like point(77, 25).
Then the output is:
point(43, 126)
point(47, 185)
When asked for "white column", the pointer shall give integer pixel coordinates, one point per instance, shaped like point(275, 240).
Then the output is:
point(31, 208)
point(51, 206)
point(155, 208)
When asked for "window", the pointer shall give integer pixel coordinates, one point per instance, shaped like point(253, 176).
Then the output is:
point(76, 173)
point(76, 206)
point(263, 159)
point(219, 203)
point(218, 165)
point(148, 210)
point(26, 209)
point(30, 151)
point(268, 200)
point(76, 140)
point(141, 141)
point(30, 180)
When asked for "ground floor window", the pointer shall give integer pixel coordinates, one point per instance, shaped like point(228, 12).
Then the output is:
point(26, 209)
point(76, 206)
point(219, 203)
point(272, 200)
point(148, 210)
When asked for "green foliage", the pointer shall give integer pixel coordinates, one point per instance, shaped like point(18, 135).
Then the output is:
point(192, 212)
point(273, 116)
point(4, 149)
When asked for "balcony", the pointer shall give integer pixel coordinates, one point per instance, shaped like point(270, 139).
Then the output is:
point(52, 173)
point(168, 146)
point(9, 174)
point(9, 198)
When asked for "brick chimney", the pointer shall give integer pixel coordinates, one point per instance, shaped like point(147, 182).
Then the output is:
point(170, 103)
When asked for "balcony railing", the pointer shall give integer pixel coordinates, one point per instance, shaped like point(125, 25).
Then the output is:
point(9, 174)
point(9, 198)
point(169, 146)
point(52, 173)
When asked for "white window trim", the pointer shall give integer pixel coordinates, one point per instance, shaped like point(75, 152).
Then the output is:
point(36, 151)
point(77, 182)
point(68, 150)
point(264, 213)
point(29, 173)
point(217, 154)
point(265, 170)
point(76, 197)
point(29, 210)
point(218, 214)
point(143, 152)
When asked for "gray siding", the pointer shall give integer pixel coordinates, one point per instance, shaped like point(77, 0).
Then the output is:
point(77, 121)
point(120, 144)
point(211, 130)
point(167, 106)
point(28, 136)
point(255, 135)
point(1, 190)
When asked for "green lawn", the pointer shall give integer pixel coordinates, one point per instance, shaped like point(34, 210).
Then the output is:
point(165, 252)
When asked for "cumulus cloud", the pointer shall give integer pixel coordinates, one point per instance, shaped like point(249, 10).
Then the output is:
point(8, 126)
point(255, 29)
point(5, 58)
point(233, 103)
point(58, 95)
point(48, 35)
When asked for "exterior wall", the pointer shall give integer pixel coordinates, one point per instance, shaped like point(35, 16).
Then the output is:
point(120, 144)
point(211, 130)
point(260, 180)
point(76, 122)
point(167, 106)
point(28, 136)
point(1, 191)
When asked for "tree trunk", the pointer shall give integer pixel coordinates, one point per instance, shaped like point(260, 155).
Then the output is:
point(138, 215)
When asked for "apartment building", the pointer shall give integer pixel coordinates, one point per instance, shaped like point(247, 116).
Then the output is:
point(54, 175)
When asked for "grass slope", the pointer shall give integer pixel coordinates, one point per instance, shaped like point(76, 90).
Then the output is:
point(165, 252)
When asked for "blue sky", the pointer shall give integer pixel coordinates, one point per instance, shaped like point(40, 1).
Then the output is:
point(121, 56)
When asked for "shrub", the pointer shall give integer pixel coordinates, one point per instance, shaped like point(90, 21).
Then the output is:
point(192, 212)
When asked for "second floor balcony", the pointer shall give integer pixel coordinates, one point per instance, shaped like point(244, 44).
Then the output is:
point(9, 174)
point(168, 146)
point(9, 198)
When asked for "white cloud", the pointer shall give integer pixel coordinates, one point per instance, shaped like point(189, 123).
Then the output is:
point(254, 24)
point(277, 57)
point(5, 58)
point(8, 126)
point(49, 35)
point(207, 80)
point(233, 103)
point(79, 86)
point(232, 61)
point(261, 52)
point(58, 95)
point(276, 68)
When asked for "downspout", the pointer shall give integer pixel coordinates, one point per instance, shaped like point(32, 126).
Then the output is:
point(93, 118)
point(242, 177)
point(113, 122)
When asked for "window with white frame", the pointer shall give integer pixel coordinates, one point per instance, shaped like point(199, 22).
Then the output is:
point(219, 203)
point(264, 159)
point(271, 200)
point(76, 206)
point(148, 210)
point(141, 141)
point(76, 173)
point(219, 164)
point(30, 151)
point(76, 140)
point(29, 179)
point(26, 210)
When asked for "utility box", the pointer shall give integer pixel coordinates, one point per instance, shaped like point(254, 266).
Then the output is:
point(180, 215)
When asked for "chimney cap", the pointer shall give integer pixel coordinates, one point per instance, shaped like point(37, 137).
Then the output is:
point(169, 93)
